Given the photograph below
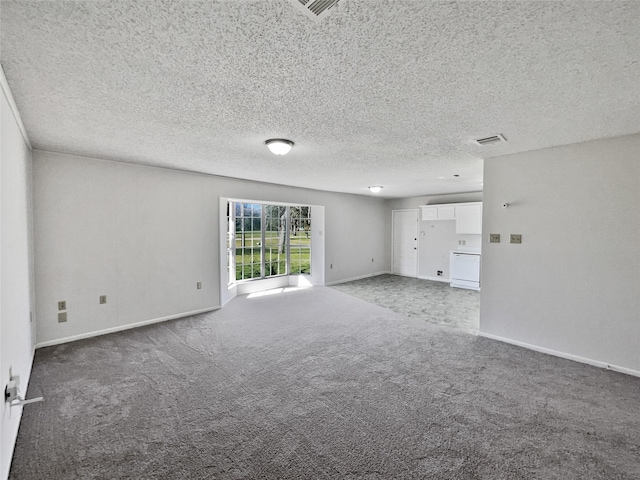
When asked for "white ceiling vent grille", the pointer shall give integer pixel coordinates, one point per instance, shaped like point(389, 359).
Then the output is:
point(490, 140)
point(315, 9)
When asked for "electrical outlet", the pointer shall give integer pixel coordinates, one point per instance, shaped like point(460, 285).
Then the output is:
point(103, 299)
point(462, 242)
point(331, 265)
point(199, 285)
point(62, 317)
point(439, 273)
point(62, 305)
point(516, 238)
point(372, 260)
point(494, 238)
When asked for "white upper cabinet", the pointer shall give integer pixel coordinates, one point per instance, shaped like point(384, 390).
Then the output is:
point(438, 212)
point(446, 212)
point(469, 218)
point(429, 213)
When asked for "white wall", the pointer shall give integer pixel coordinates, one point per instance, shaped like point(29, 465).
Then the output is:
point(16, 297)
point(573, 286)
point(142, 236)
point(145, 236)
point(439, 236)
point(436, 240)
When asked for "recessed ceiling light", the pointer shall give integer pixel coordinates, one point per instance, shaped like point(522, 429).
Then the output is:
point(375, 189)
point(279, 146)
point(456, 175)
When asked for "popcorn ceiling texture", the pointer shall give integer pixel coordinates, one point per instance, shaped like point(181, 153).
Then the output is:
point(379, 93)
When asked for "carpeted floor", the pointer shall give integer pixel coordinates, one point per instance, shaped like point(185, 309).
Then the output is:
point(317, 384)
point(433, 302)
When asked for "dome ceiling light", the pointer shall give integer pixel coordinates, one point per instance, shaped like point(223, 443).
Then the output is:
point(279, 146)
point(375, 189)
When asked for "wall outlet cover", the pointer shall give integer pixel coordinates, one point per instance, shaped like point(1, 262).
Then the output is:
point(494, 238)
point(516, 238)
point(199, 285)
point(62, 305)
point(103, 299)
point(62, 317)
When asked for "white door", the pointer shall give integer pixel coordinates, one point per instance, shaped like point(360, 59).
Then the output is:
point(405, 242)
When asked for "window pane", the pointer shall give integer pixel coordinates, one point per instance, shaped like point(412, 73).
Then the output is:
point(300, 239)
point(275, 238)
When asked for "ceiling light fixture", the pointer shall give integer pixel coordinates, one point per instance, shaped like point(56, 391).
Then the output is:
point(375, 189)
point(279, 146)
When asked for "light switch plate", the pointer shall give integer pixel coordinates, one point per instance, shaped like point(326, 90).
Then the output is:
point(103, 299)
point(62, 317)
point(199, 285)
point(494, 238)
point(62, 305)
point(516, 238)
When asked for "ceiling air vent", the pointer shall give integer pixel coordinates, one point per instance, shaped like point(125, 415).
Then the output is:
point(490, 140)
point(315, 9)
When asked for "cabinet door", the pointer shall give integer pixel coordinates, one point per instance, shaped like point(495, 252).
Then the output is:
point(469, 219)
point(429, 213)
point(446, 212)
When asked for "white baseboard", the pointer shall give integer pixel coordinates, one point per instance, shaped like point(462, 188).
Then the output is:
point(120, 328)
point(360, 277)
point(568, 356)
point(435, 279)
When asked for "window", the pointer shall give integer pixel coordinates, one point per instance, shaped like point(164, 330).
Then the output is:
point(268, 240)
point(248, 237)
point(275, 240)
point(300, 240)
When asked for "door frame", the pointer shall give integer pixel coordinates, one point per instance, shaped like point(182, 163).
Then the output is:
point(393, 240)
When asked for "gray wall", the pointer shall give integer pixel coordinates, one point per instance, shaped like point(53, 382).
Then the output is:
point(16, 292)
point(145, 236)
point(573, 285)
point(141, 236)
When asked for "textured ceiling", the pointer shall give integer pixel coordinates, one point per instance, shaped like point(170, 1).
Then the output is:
point(378, 93)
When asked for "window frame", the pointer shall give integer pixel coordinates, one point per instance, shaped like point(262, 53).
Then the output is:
point(232, 234)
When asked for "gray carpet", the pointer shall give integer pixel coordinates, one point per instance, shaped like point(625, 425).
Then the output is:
point(433, 302)
point(319, 384)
